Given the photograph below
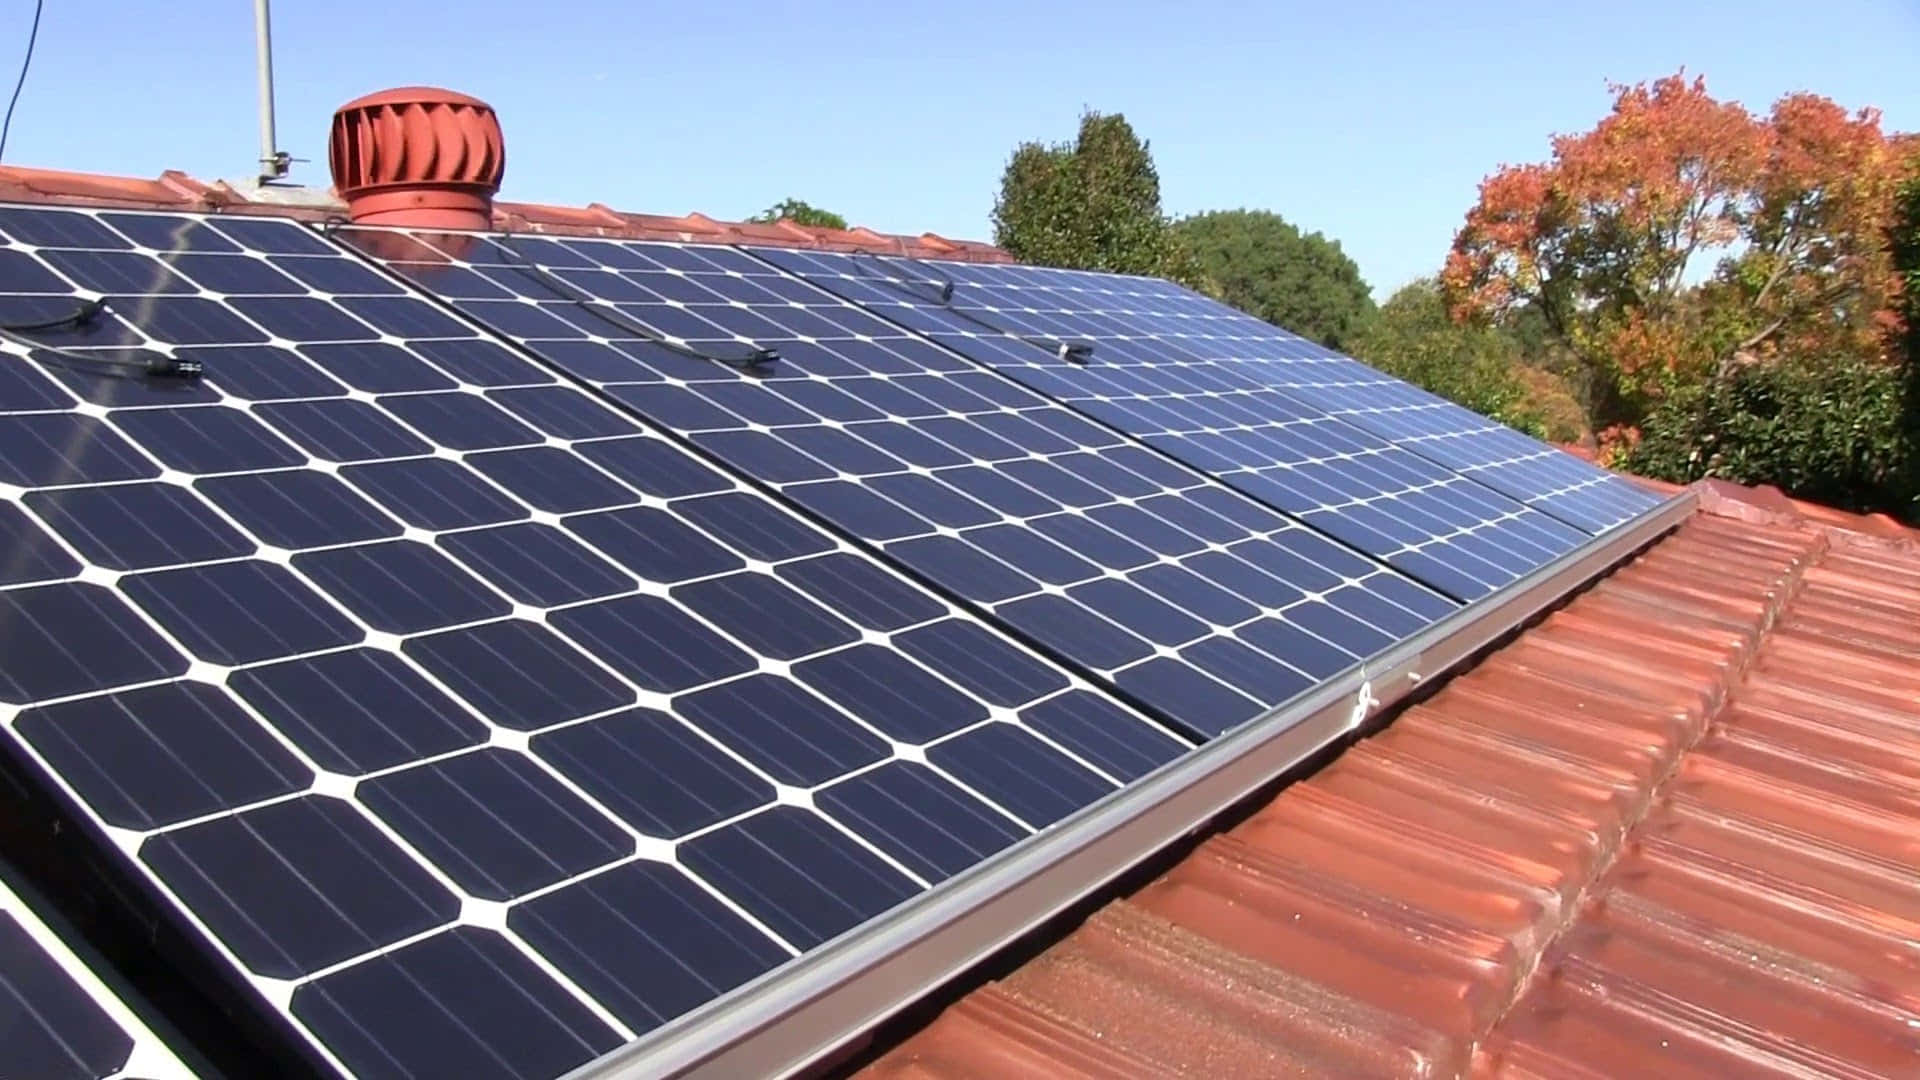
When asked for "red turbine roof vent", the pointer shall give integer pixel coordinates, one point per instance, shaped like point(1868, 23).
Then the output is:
point(418, 156)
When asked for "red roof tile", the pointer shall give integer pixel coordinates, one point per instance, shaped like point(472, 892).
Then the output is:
point(1670, 830)
point(180, 192)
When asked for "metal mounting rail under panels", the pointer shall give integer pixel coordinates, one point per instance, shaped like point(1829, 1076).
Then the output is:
point(798, 1014)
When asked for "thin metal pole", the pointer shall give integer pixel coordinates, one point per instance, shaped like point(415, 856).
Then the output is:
point(273, 164)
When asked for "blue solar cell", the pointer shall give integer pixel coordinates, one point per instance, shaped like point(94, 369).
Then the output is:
point(791, 735)
point(295, 886)
point(357, 711)
point(294, 509)
point(933, 827)
point(342, 430)
point(537, 564)
point(691, 947)
point(519, 674)
point(466, 1002)
point(32, 553)
point(401, 586)
point(162, 754)
point(803, 878)
point(497, 823)
point(240, 612)
point(659, 775)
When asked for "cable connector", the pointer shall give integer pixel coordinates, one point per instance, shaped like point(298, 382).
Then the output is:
point(169, 367)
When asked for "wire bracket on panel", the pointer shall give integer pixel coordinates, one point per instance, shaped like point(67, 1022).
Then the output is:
point(753, 362)
point(1363, 702)
point(1064, 350)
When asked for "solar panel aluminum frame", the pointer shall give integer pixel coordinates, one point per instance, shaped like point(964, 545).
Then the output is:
point(149, 1057)
point(793, 1018)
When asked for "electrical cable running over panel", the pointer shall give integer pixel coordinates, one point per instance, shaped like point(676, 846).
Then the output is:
point(83, 317)
point(754, 362)
point(1068, 351)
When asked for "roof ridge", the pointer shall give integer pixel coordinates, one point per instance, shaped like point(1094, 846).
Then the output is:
point(178, 192)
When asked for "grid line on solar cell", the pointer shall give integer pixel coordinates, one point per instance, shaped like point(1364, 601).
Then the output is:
point(61, 1019)
point(1210, 401)
point(1140, 571)
point(355, 736)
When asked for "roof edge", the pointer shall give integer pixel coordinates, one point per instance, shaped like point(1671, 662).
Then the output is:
point(178, 192)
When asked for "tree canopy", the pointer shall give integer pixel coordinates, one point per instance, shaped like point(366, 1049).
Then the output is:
point(1092, 204)
point(800, 213)
point(1256, 261)
point(1684, 236)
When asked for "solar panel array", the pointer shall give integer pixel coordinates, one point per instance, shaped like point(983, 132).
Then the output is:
point(1431, 486)
point(1206, 605)
point(474, 725)
point(59, 1019)
point(493, 657)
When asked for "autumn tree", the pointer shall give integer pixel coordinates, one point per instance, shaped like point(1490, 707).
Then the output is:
point(1684, 237)
point(1257, 261)
point(1092, 204)
point(800, 213)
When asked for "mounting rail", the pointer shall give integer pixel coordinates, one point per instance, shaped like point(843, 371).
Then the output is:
point(806, 1010)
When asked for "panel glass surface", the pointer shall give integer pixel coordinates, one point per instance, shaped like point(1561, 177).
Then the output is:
point(480, 728)
point(59, 1020)
point(1206, 605)
point(1283, 417)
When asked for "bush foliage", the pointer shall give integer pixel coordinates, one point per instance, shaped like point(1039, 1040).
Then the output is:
point(1827, 429)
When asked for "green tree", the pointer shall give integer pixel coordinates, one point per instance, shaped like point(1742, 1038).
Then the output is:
point(1256, 261)
point(800, 213)
point(1092, 204)
point(1414, 338)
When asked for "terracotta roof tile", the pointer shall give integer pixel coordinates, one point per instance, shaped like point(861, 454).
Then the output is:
point(180, 192)
point(1671, 830)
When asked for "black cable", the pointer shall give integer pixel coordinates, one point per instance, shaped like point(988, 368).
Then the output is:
point(758, 356)
point(80, 316)
point(1072, 352)
point(33, 36)
point(156, 364)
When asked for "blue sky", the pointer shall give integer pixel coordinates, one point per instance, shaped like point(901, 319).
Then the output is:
point(1372, 122)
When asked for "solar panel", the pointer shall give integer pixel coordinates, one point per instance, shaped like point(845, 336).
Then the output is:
point(1199, 602)
point(59, 1020)
point(1286, 419)
point(474, 725)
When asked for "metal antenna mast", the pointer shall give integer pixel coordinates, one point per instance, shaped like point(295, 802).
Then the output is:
point(274, 162)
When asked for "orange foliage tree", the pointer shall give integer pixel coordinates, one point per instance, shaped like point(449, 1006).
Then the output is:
point(1684, 237)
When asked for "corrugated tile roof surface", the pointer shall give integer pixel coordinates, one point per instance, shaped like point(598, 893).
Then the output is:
point(1672, 830)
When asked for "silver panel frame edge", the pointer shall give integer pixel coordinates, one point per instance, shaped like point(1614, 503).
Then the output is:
point(803, 1012)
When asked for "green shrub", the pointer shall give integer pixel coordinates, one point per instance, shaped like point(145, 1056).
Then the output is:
point(1829, 430)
